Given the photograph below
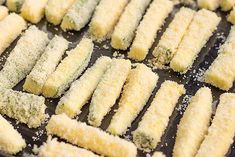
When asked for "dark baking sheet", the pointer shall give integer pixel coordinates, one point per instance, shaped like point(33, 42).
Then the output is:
point(191, 80)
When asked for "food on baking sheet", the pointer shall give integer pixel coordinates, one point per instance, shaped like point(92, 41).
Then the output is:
point(108, 90)
point(173, 35)
point(10, 140)
point(32, 10)
point(138, 88)
point(194, 125)
point(45, 65)
point(23, 57)
point(221, 132)
point(79, 15)
point(208, 4)
point(69, 69)
point(221, 73)
point(231, 16)
point(227, 5)
point(25, 108)
point(56, 9)
point(14, 5)
point(89, 137)
point(124, 31)
point(10, 28)
point(3, 12)
point(53, 148)
point(81, 90)
point(204, 23)
point(106, 16)
point(155, 120)
point(147, 30)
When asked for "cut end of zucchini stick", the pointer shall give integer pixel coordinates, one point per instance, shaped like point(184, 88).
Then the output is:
point(10, 28)
point(204, 23)
point(208, 4)
point(79, 15)
point(81, 90)
point(23, 57)
point(192, 131)
point(89, 137)
point(56, 9)
point(223, 124)
point(54, 148)
point(3, 12)
point(125, 29)
point(108, 90)
point(69, 69)
point(154, 122)
point(26, 108)
point(45, 65)
point(221, 73)
point(137, 90)
point(105, 18)
point(147, 30)
point(173, 35)
point(231, 16)
point(158, 154)
point(14, 5)
point(33, 11)
point(227, 5)
point(11, 140)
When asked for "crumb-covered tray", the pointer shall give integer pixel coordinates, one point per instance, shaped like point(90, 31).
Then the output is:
point(191, 80)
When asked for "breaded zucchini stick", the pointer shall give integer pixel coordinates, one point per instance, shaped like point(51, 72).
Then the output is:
point(10, 28)
point(125, 29)
point(221, 73)
point(105, 18)
point(231, 16)
point(194, 124)
point(79, 15)
point(11, 140)
point(23, 57)
point(147, 30)
point(14, 5)
point(53, 148)
point(89, 137)
point(45, 65)
point(3, 12)
point(137, 90)
point(208, 4)
point(56, 9)
point(154, 122)
point(33, 11)
point(81, 90)
point(108, 90)
point(221, 132)
point(26, 108)
point(227, 5)
point(204, 23)
point(69, 69)
point(173, 35)
point(158, 154)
